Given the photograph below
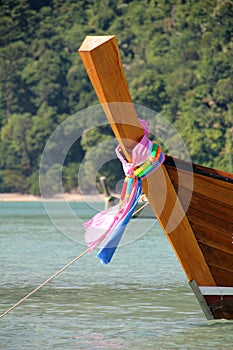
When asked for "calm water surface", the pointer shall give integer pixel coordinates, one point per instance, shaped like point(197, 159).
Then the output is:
point(139, 301)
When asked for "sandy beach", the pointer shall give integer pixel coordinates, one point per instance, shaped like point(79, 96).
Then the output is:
point(69, 197)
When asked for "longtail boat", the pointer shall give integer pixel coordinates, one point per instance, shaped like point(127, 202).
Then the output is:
point(201, 228)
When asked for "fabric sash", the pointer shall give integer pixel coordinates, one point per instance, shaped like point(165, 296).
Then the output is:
point(106, 228)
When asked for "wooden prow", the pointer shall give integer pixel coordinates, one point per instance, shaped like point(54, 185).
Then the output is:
point(101, 58)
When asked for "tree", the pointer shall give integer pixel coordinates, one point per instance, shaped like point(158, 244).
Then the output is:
point(177, 57)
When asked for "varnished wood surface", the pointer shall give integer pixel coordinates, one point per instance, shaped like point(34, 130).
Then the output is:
point(222, 276)
point(215, 257)
point(199, 169)
point(213, 237)
point(102, 61)
point(101, 58)
point(213, 188)
point(210, 214)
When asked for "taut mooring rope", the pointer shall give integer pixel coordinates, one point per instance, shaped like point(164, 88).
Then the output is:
point(140, 209)
point(56, 274)
point(44, 283)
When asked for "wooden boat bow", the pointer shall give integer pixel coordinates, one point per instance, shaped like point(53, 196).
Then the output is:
point(201, 241)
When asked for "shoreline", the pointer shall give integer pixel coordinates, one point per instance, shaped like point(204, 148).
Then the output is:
point(69, 197)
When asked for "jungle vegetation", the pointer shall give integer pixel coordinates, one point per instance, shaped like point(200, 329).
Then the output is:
point(178, 60)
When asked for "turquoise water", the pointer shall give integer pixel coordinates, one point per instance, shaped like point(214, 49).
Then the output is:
point(140, 301)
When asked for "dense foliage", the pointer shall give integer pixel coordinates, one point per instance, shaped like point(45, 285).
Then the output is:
point(178, 61)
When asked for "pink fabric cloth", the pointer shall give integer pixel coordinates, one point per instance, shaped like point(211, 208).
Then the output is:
point(140, 154)
point(102, 224)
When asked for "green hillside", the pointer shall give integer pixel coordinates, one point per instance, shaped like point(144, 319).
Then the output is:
point(178, 59)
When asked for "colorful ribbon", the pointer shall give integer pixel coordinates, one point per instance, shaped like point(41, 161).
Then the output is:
point(107, 227)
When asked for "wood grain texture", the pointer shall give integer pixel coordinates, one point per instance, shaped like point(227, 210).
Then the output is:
point(214, 238)
point(218, 252)
point(102, 61)
point(101, 58)
point(210, 215)
point(209, 222)
point(204, 185)
point(223, 277)
point(215, 258)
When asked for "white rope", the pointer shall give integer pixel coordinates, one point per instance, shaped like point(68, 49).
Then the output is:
point(140, 209)
point(44, 283)
point(57, 273)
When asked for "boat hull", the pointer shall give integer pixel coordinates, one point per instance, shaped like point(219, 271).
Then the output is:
point(196, 216)
point(221, 306)
point(210, 215)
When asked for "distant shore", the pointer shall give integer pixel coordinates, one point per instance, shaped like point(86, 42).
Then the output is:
point(69, 197)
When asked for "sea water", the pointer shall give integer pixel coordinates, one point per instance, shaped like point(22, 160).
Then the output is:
point(141, 300)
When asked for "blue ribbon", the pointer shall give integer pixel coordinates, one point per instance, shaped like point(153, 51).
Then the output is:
point(106, 253)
